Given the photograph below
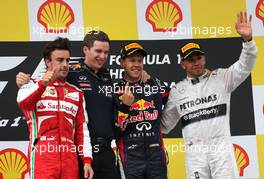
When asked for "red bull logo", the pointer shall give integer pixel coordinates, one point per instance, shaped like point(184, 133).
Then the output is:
point(75, 66)
point(260, 11)
point(56, 16)
point(13, 164)
point(145, 115)
point(163, 15)
point(242, 159)
point(122, 119)
point(142, 105)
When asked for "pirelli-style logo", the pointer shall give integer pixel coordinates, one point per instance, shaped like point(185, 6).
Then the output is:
point(189, 46)
point(133, 45)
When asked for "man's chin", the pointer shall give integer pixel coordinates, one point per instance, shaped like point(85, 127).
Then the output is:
point(99, 65)
point(198, 72)
point(63, 76)
point(136, 78)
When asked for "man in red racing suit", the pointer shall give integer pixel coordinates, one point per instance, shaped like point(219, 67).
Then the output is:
point(57, 121)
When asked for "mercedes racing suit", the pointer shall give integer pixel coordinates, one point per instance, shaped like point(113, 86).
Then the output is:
point(57, 123)
point(141, 146)
point(203, 106)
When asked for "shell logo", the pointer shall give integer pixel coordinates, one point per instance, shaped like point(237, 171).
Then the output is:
point(56, 16)
point(13, 164)
point(260, 11)
point(163, 15)
point(242, 159)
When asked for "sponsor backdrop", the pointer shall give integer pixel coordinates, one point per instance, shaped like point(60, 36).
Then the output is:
point(161, 26)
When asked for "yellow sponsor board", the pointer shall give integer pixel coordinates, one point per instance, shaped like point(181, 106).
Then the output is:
point(215, 19)
point(258, 72)
point(117, 18)
point(14, 21)
point(260, 143)
point(176, 152)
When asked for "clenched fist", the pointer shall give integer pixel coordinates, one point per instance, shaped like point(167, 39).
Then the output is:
point(48, 77)
point(22, 78)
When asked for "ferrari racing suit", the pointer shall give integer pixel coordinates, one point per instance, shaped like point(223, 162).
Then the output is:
point(57, 123)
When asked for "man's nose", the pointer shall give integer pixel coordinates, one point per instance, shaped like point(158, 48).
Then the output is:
point(65, 63)
point(137, 63)
point(195, 61)
point(102, 55)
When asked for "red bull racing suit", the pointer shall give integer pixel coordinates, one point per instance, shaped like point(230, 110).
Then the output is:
point(203, 106)
point(140, 145)
point(57, 123)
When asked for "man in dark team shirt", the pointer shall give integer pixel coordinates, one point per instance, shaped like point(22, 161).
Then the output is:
point(90, 77)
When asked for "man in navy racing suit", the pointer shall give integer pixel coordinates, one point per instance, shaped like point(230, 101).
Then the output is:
point(140, 145)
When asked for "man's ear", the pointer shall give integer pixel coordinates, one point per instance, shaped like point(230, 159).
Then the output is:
point(183, 64)
point(85, 48)
point(47, 62)
point(122, 62)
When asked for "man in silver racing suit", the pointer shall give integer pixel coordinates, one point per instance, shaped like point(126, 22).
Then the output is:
point(202, 102)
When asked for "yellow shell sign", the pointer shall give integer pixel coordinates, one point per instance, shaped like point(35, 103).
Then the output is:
point(13, 164)
point(242, 159)
point(163, 15)
point(260, 10)
point(56, 16)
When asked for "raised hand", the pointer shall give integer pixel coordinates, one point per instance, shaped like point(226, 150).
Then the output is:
point(243, 26)
point(127, 98)
point(48, 77)
point(22, 78)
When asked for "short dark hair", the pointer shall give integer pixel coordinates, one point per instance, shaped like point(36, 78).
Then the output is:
point(94, 35)
point(58, 44)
